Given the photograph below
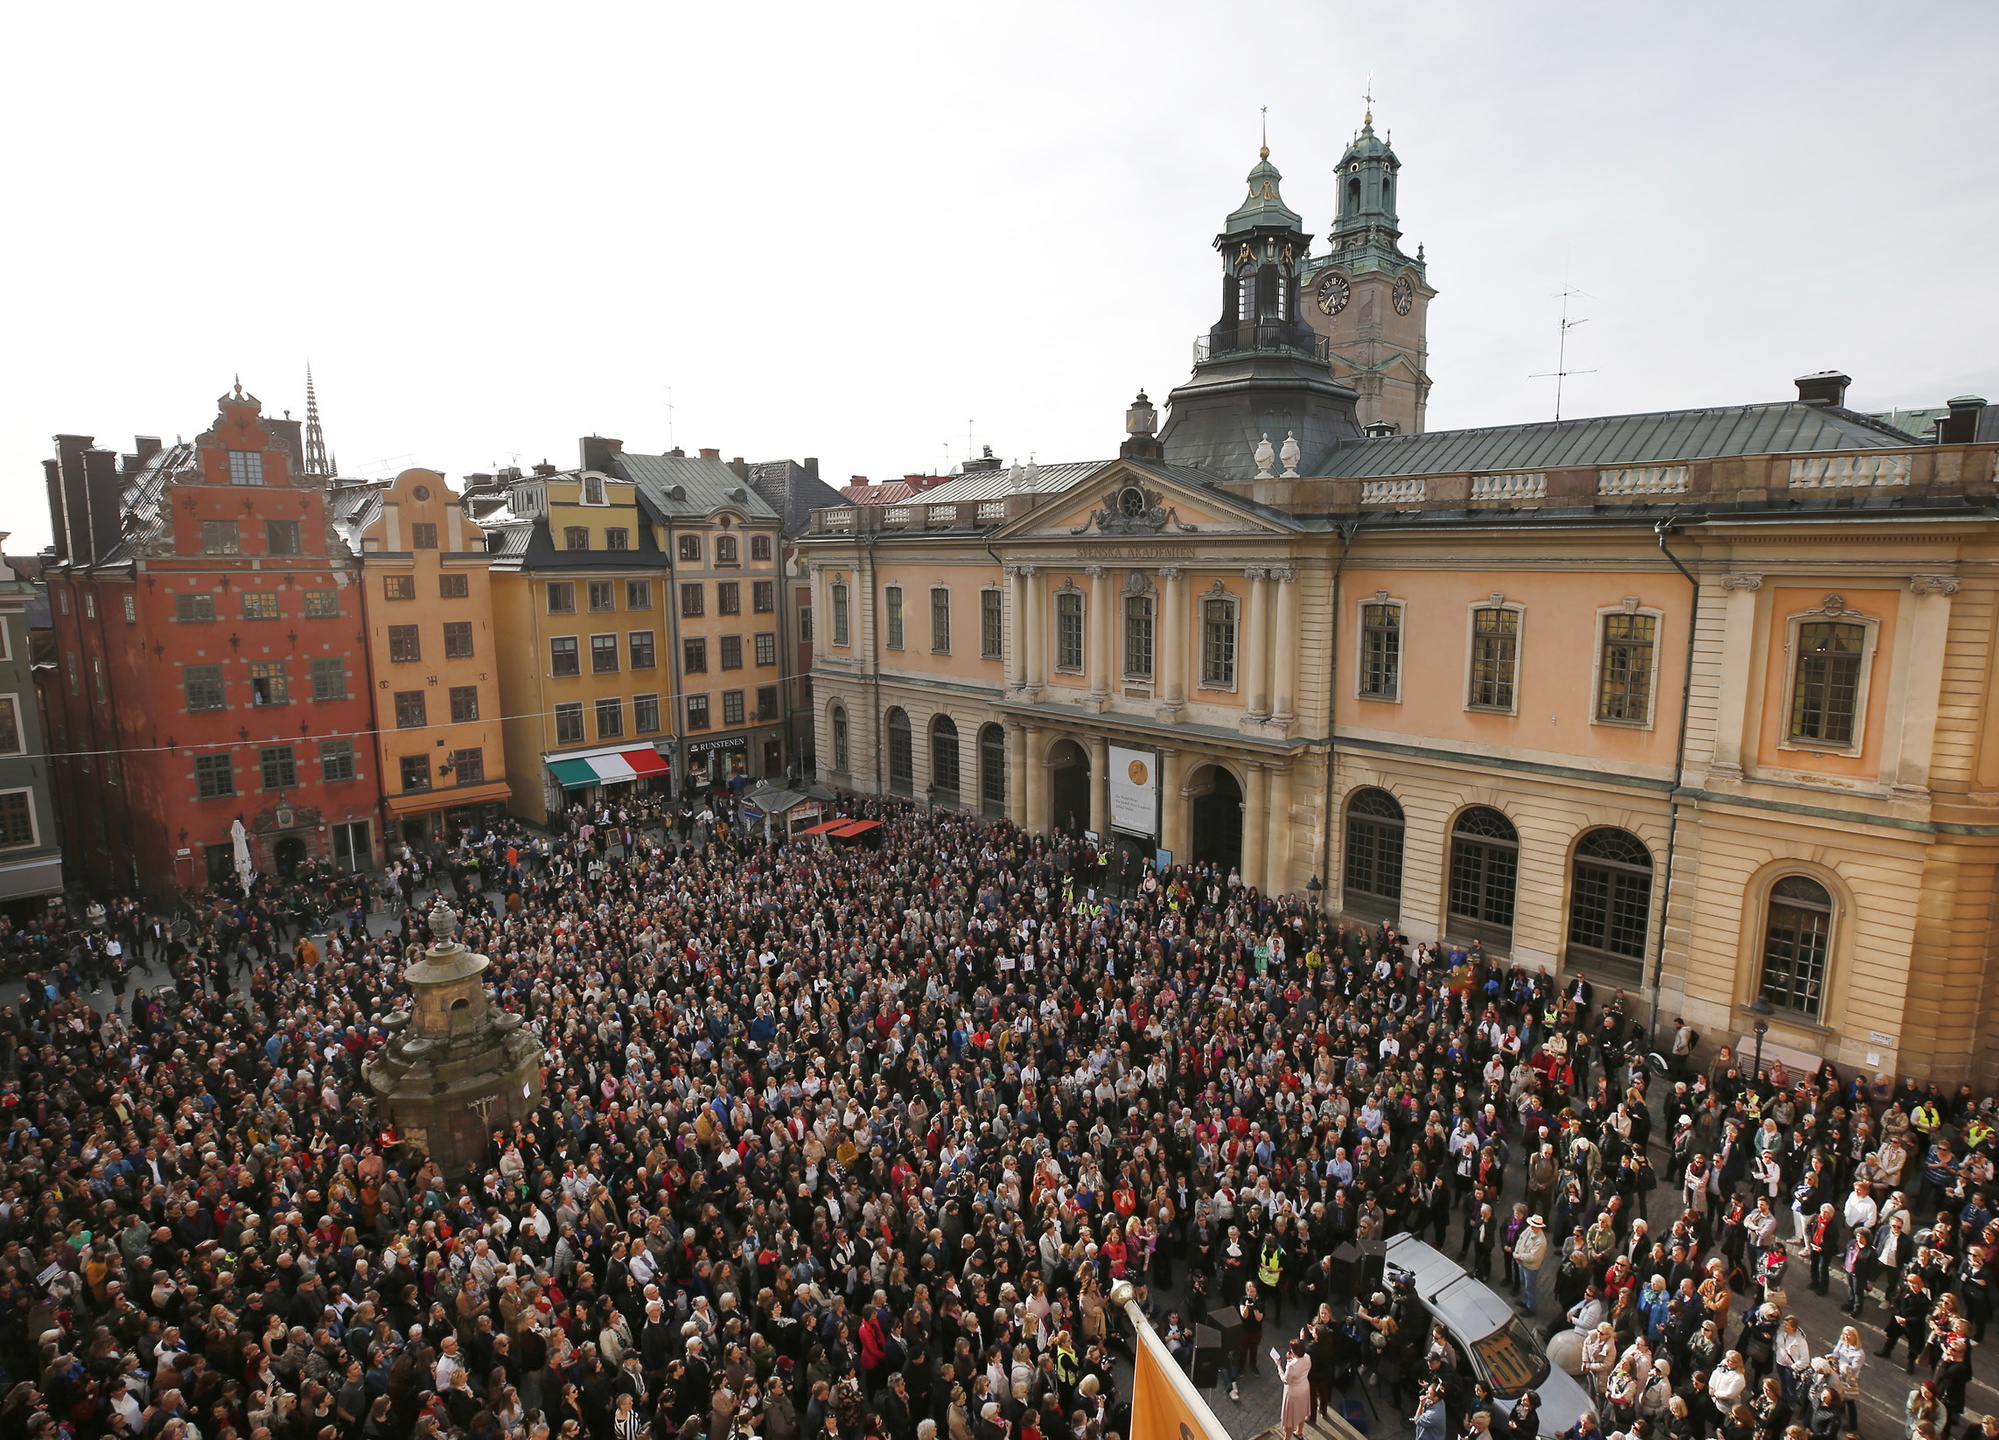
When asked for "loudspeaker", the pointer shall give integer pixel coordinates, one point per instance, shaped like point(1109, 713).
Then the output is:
point(1207, 1357)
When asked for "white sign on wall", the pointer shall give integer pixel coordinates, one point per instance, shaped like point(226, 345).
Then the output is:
point(1134, 790)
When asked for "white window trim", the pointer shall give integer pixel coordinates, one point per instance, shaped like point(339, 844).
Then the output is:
point(1360, 641)
point(1123, 621)
point(20, 735)
point(1200, 655)
point(950, 620)
point(1766, 894)
point(603, 490)
point(1652, 683)
point(895, 618)
point(1519, 655)
point(1055, 597)
point(839, 607)
point(998, 655)
point(1870, 647)
point(34, 820)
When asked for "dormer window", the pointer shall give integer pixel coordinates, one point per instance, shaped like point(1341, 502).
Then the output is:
point(528, 501)
point(246, 467)
point(593, 490)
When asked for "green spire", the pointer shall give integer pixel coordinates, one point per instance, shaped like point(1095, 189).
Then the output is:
point(1265, 206)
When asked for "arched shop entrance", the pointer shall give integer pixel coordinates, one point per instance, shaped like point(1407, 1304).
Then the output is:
point(1216, 817)
point(1068, 788)
point(288, 854)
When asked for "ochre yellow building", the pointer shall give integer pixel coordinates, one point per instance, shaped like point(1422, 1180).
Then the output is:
point(1697, 703)
point(434, 660)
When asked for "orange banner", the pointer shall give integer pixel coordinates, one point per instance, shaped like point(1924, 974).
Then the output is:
point(1164, 1403)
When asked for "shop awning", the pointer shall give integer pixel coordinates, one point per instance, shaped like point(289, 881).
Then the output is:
point(612, 769)
point(856, 827)
point(645, 761)
point(572, 774)
point(828, 826)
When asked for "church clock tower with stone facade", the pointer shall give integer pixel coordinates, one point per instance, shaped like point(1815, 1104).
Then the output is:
point(1369, 299)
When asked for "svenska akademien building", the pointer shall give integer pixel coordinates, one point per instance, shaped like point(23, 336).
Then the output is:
point(1518, 685)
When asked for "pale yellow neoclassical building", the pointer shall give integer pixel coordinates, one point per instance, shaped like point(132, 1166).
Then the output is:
point(1696, 703)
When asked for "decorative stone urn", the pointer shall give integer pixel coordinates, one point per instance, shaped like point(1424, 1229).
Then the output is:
point(455, 1068)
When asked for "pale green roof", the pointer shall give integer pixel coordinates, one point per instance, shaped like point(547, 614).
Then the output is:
point(1265, 206)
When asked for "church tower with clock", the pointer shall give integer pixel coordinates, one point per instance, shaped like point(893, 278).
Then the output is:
point(1369, 299)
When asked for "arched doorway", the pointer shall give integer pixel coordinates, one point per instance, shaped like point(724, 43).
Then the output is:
point(944, 761)
point(901, 755)
point(1068, 788)
point(1485, 865)
point(992, 771)
point(288, 854)
point(1216, 818)
point(1373, 874)
point(1610, 905)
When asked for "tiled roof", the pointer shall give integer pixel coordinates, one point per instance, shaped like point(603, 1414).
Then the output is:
point(1784, 428)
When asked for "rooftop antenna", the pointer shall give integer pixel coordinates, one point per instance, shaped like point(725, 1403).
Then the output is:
point(1562, 371)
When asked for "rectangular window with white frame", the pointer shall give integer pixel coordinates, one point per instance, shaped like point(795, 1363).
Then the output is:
point(1380, 669)
point(1139, 630)
point(991, 628)
point(940, 621)
point(1495, 658)
point(17, 819)
point(10, 725)
point(1829, 658)
point(1218, 642)
point(1069, 631)
point(1627, 661)
point(892, 616)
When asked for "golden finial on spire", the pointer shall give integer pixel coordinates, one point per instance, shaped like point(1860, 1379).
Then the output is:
point(1369, 97)
point(1264, 153)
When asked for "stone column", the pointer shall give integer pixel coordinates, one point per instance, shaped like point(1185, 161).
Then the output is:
point(1016, 773)
point(1738, 652)
point(1278, 856)
point(1035, 764)
point(1016, 619)
point(1256, 646)
point(1036, 625)
point(1099, 656)
point(1172, 804)
point(1914, 703)
point(1100, 782)
point(1285, 708)
point(1255, 824)
point(1170, 650)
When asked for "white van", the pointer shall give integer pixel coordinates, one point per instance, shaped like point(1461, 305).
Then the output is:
point(1499, 1345)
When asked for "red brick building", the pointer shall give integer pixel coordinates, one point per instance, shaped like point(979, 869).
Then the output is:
point(211, 659)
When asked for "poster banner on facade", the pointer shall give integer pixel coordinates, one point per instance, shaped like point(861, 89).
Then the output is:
point(1134, 790)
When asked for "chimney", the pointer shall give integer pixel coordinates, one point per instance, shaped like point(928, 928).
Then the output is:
point(544, 469)
point(1379, 429)
point(742, 471)
point(597, 451)
point(810, 465)
point(707, 454)
point(676, 453)
point(861, 480)
point(1960, 427)
point(144, 448)
point(103, 486)
point(71, 517)
point(52, 478)
point(1827, 387)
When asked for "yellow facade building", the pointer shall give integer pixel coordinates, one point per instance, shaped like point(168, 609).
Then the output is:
point(434, 659)
point(1695, 703)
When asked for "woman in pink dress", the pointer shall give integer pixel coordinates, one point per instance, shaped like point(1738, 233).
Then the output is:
point(1295, 1374)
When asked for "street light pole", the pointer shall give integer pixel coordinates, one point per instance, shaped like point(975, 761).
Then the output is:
point(1762, 1010)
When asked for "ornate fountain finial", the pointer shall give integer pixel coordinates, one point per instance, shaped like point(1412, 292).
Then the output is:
point(443, 922)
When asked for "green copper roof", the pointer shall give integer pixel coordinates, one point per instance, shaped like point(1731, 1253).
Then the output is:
point(1264, 207)
point(1367, 145)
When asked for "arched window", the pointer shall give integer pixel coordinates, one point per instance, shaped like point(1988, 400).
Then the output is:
point(901, 755)
point(992, 771)
point(593, 490)
point(1374, 854)
point(725, 550)
point(1797, 937)
point(944, 759)
point(1485, 863)
point(840, 738)
point(1610, 897)
point(1353, 194)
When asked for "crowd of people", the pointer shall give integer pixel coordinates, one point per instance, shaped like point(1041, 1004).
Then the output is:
point(844, 1142)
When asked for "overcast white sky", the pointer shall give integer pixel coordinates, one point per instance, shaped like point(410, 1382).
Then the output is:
point(854, 231)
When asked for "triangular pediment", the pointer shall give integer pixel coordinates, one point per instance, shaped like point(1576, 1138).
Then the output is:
point(1139, 500)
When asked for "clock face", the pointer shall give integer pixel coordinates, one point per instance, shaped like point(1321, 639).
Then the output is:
point(1334, 294)
point(1131, 500)
point(421, 493)
point(1404, 295)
